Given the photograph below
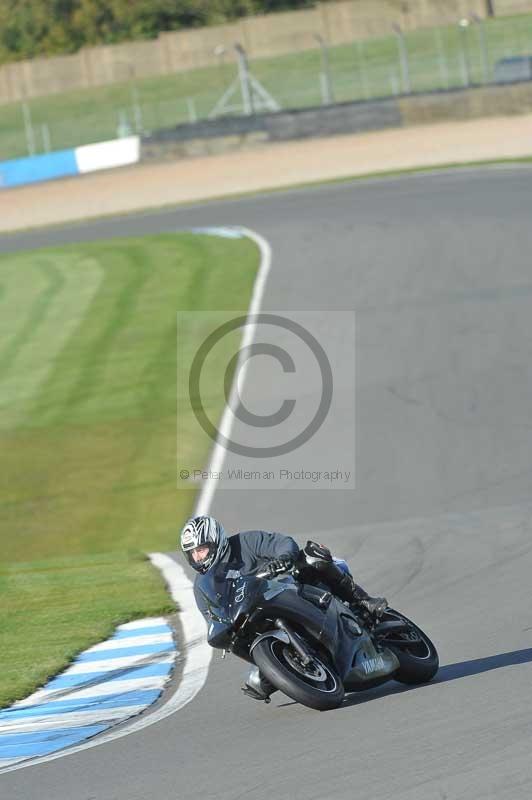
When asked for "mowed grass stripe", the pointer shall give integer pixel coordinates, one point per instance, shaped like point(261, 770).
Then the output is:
point(89, 464)
point(53, 283)
point(43, 310)
point(20, 300)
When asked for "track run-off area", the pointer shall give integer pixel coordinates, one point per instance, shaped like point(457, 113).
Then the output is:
point(437, 270)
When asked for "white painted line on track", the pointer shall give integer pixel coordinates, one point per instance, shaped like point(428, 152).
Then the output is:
point(217, 459)
point(197, 652)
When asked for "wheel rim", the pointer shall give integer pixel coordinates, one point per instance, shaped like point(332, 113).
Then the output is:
point(316, 675)
point(314, 670)
point(419, 649)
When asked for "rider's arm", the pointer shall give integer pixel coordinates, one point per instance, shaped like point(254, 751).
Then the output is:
point(272, 545)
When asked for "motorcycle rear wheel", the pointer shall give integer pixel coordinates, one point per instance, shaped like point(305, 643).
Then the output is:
point(418, 662)
point(315, 685)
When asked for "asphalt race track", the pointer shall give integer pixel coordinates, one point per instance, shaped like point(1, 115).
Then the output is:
point(438, 270)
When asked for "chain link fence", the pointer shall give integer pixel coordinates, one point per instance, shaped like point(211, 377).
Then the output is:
point(473, 52)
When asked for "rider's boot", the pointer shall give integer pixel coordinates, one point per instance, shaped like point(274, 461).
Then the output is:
point(257, 687)
point(346, 589)
point(341, 583)
point(375, 606)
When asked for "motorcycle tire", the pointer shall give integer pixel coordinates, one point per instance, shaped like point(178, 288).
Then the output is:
point(419, 662)
point(316, 685)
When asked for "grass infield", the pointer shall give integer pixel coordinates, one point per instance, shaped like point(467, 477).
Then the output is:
point(88, 433)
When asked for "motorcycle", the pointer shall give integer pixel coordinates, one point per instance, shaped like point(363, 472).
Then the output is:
point(308, 643)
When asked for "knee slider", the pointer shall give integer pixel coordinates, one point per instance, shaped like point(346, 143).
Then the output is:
point(317, 555)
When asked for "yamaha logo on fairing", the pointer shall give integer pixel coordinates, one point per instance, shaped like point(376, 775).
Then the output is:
point(372, 664)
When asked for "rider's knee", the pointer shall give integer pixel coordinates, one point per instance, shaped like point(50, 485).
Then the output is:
point(316, 555)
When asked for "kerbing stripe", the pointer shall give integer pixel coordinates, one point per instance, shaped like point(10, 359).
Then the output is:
point(86, 679)
point(125, 633)
point(133, 641)
point(110, 664)
point(106, 718)
point(76, 704)
point(112, 687)
point(108, 683)
point(142, 623)
point(10, 739)
point(96, 654)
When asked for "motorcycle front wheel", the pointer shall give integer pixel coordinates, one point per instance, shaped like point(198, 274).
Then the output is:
point(315, 685)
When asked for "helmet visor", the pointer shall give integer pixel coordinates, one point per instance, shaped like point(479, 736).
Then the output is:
point(201, 556)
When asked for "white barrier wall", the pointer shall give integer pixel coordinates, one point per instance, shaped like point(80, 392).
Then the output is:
point(104, 155)
point(89, 158)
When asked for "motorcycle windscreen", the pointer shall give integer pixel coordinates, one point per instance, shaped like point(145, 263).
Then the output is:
point(217, 590)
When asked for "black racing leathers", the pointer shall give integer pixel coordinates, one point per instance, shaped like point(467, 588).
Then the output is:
point(250, 551)
point(247, 554)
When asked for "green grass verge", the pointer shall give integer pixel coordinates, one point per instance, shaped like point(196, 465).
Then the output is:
point(50, 610)
point(439, 58)
point(88, 433)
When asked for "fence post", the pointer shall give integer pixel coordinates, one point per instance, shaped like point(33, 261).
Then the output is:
point(442, 59)
point(363, 72)
point(28, 129)
point(191, 106)
point(325, 78)
point(483, 47)
point(45, 133)
point(403, 58)
point(123, 129)
point(463, 27)
point(137, 110)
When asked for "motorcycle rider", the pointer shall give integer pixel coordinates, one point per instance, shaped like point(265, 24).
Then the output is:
point(205, 543)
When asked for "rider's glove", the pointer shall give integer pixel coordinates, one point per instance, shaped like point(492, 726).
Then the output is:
point(281, 564)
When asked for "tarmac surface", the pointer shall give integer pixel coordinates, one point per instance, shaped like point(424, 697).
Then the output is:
point(437, 269)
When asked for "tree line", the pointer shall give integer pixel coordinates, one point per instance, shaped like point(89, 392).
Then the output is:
point(30, 28)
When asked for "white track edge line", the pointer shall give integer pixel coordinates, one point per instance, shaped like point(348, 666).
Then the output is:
point(197, 652)
point(218, 452)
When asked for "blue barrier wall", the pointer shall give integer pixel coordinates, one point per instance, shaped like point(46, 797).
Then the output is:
point(38, 168)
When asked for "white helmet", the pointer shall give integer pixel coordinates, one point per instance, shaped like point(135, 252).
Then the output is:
point(201, 531)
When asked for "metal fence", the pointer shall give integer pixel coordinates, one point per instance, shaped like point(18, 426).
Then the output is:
point(473, 52)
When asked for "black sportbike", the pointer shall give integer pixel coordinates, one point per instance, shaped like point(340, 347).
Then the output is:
point(306, 642)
